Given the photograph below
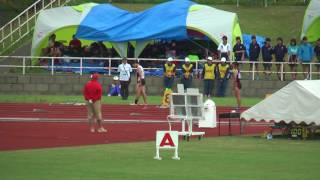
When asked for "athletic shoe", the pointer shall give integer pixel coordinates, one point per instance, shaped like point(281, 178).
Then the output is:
point(101, 130)
point(133, 104)
point(92, 130)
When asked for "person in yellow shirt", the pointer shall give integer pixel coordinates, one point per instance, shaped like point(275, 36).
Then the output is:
point(187, 73)
point(169, 71)
point(223, 71)
point(208, 75)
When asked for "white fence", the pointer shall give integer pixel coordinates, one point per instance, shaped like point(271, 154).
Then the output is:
point(25, 62)
point(20, 26)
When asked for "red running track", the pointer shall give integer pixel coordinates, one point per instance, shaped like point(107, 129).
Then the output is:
point(57, 133)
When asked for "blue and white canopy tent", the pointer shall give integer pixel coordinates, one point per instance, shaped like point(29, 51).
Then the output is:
point(105, 22)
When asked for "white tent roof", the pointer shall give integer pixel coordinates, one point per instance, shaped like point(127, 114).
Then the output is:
point(208, 20)
point(50, 20)
point(299, 102)
point(213, 22)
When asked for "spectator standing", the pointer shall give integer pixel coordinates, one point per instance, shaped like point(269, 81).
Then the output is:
point(224, 48)
point(187, 71)
point(305, 55)
point(92, 93)
point(114, 89)
point(239, 50)
point(169, 70)
point(223, 76)
point(293, 57)
point(140, 86)
point(124, 70)
point(209, 75)
point(267, 52)
point(254, 52)
point(317, 53)
point(280, 50)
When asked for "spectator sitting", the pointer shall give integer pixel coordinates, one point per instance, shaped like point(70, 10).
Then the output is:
point(75, 43)
point(52, 40)
point(95, 49)
point(103, 51)
point(113, 89)
point(86, 52)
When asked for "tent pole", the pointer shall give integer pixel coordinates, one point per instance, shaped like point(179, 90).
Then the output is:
point(310, 71)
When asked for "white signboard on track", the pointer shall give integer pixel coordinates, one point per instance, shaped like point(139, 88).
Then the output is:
point(167, 140)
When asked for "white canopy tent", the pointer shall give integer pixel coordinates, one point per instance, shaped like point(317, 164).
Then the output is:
point(297, 102)
point(65, 21)
point(311, 21)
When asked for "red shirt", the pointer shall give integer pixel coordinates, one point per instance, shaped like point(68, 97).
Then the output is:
point(92, 91)
point(75, 42)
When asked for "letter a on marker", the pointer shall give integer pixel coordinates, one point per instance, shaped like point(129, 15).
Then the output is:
point(167, 141)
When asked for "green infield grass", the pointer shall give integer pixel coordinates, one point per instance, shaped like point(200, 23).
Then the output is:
point(222, 158)
point(153, 100)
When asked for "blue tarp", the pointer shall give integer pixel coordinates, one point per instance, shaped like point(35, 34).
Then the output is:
point(247, 40)
point(108, 23)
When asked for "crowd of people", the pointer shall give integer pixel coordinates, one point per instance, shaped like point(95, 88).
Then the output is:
point(294, 54)
point(76, 49)
point(215, 74)
point(156, 50)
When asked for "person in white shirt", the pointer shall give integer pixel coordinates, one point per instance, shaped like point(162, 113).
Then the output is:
point(141, 82)
point(224, 48)
point(124, 70)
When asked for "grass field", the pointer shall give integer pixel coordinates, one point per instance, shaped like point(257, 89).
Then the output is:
point(223, 158)
point(154, 100)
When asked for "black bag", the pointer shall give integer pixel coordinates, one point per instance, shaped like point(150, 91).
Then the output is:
point(143, 82)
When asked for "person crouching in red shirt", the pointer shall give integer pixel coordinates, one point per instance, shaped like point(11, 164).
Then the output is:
point(92, 93)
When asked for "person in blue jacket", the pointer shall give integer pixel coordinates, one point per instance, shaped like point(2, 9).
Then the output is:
point(114, 89)
point(305, 55)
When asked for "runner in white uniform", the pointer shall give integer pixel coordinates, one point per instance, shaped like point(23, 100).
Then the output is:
point(141, 82)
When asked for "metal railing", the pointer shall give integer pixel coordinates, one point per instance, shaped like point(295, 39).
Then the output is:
point(25, 62)
point(23, 24)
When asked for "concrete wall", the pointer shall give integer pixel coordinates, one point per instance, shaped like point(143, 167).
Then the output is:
point(72, 85)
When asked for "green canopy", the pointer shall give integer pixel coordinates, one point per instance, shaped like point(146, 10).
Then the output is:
point(311, 21)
